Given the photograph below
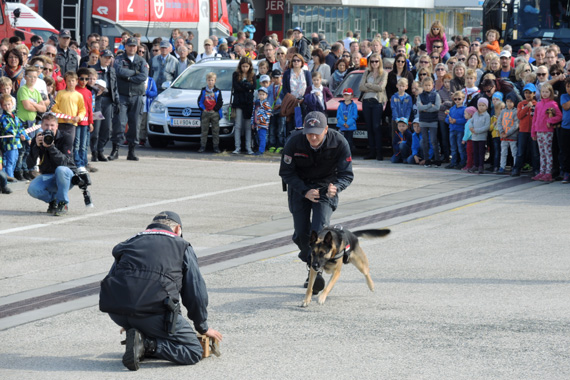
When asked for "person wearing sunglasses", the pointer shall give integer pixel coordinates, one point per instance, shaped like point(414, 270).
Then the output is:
point(373, 92)
point(399, 70)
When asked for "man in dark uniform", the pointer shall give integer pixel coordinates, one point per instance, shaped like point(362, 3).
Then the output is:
point(66, 57)
point(132, 73)
point(109, 106)
point(152, 272)
point(316, 166)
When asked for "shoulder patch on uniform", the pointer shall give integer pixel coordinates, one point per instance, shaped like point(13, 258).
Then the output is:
point(349, 159)
point(287, 159)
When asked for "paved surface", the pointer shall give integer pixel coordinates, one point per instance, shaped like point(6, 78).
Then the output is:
point(471, 284)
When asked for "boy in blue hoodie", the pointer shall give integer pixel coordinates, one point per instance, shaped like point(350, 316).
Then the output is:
point(402, 142)
point(417, 156)
point(210, 102)
point(401, 104)
point(346, 115)
point(456, 120)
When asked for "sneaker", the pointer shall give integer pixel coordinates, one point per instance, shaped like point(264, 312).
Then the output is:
point(142, 142)
point(237, 151)
point(202, 149)
point(82, 169)
point(437, 164)
point(547, 178)
point(481, 170)
point(450, 166)
point(52, 207)
point(472, 169)
point(272, 149)
point(527, 168)
point(427, 164)
point(515, 173)
point(217, 150)
point(465, 169)
point(495, 171)
point(28, 176)
point(18, 176)
point(537, 177)
point(91, 169)
point(6, 190)
point(258, 154)
point(250, 152)
point(134, 351)
point(279, 150)
point(566, 178)
point(11, 179)
point(61, 209)
point(500, 171)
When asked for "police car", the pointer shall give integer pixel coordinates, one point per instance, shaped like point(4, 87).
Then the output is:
point(175, 116)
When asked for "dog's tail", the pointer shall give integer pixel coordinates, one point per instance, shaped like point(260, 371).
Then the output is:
point(370, 234)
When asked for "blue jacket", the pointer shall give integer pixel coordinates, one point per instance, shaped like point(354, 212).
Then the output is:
point(401, 107)
point(271, 97)
point(401, 137)
point(151, 92)
point(346, 114)
point(219, 101)
point(459, 115)
point(467, 133)
point(417, 145)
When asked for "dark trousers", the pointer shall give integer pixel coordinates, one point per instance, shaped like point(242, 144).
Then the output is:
point(102, 128)
point(182, 347)
point(373, 117)
point(301, 208)
point(527, 151)
point(564, 145)
point(67, 128)
point(479, 153)
point(443, 136)
point(130, 111)
point(496, 152)
point(349, 136)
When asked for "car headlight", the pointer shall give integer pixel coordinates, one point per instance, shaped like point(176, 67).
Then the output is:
point(157, 107)
point(226, 111)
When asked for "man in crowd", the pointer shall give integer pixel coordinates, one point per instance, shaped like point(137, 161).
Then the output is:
point(334, 55)
point(208, 51)
point(164, 66)
point(301, 44)
point(66, 58)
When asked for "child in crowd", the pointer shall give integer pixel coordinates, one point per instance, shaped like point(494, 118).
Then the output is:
point(317, 96)
point(346, 115)
point(456, 120)
point(417, 156)
point(437, 32)
point(4, 188)
point(470, 89)
point(546, 115)
point(467, 141)
point(10, 124)
point(428, 107)
point(401, 104)
point(416, 91)
point(262, 69)
point(402, 142)
point(508, 124)
point(564, 133)
point(264, 81)
point(69, 102)
point(85, 126)
point(277, 122)
point(210, 102)
point(498, 106)
point(525, 145)
point(492, 42)
point(446, 103)
point(50, 86)
point(6, 88)
point(479, 128)
point(260, 119)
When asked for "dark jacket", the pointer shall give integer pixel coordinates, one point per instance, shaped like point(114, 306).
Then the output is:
point(391, 88)
point(311, 102)
point(242, 95)
point(148, 268)
point(110, 77)
point(131, 76)
point(219, 100)
point(303, 49)
point(429, 98)
point(58, 154)
point(303, 168)
point(287, 80)
point(331, 59)
point(67, 61)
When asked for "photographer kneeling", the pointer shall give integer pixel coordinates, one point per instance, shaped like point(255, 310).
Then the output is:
point(55, 151)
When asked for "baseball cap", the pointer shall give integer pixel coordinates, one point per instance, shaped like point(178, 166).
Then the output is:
point(164, 44)
point(347, 90)
point(170, 215)
point(133, 42)
point(263, 88)
point(523, 51)
point(276, 73)
point(107, 53)
point(231, 39)
point(102, 83)
point(53, 37)
point(315, 122)
point(299, 29)
point(402, 120)
point(264, 78)
point(65, 33)
point(529, 87)
point(505, 53)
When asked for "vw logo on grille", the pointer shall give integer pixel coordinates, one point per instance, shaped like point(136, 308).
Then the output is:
point(187, 111)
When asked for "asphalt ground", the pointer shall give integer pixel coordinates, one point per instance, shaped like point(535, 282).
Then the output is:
point(472, 283)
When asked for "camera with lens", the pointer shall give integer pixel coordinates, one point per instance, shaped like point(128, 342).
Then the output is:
point(83, 180)
point(48, 137)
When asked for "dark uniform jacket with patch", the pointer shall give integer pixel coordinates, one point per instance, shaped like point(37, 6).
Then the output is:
point(304, 168)
point(149, 267)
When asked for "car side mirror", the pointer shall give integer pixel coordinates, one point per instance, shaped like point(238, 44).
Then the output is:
point(165, 85)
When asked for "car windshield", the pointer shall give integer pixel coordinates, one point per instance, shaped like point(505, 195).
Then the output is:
point(195, 77)
point(351, 81)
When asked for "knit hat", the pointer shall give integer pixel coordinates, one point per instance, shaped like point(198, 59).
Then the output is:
point(484, 101)
point(498, 95)
point(471, 110)
point(513, 98)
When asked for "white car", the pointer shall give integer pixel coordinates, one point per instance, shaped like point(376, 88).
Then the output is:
point(174, 114)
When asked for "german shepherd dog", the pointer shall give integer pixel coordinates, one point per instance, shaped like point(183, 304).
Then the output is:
point(332, 247)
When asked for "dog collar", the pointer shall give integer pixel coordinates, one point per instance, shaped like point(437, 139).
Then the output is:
point(344, 253)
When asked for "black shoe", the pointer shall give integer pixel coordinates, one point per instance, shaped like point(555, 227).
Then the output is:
point(6, 190)
point(95, 157)
point(61, 209)
point(131, 155)
point(134, 351)
point(101, 157)
point(450, 166)
point(52, 207)
point(217, 150)
point(427, 164)
point(515, 173)
point(379, 158)
point(114, 153)
point(202, 149)
point(18, 176)
point(28, 176)
point(370, 156)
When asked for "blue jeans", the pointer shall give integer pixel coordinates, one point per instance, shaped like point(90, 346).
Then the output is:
point(49, 187)
point(81, 145)
point(410, 159)
point(23, 153)
point(261, 139)
point(405, 152)
point(10, 161)
point(445, 148)
point(373, 117)
point(458, 152)
point(527, 147)
point(277, 131)
point(496, 152)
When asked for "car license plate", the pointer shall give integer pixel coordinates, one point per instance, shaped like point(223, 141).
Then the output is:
point(185, 122)
point(360, 134)
point(332, 120)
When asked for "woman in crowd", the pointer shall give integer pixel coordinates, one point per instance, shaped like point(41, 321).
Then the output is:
point(340, 71)
point(400, 70)
point(318, 65)
point(13, 69)
point(243, 85)
point(474, 62)
point(458, 81)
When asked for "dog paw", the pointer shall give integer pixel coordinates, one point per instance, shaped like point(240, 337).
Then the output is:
point(305, 303)
point(321, 299)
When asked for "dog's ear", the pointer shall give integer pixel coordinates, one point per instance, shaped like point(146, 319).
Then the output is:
point(328, 240)
point(314, 237)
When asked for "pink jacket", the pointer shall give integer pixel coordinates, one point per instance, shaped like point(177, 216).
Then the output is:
point(429, 42)
point(541, 120)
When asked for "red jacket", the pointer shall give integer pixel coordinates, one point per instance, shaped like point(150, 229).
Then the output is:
point(524, 116)
point(88, 99)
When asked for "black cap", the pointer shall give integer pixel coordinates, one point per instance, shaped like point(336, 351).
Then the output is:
point(131, 42)
point(169, 215)
point(315, 122)
point(276, 73)
point(65, 33)
point(53, 37)
point(107, 53)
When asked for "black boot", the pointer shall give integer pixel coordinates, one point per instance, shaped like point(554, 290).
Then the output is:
point(114, 153)
point(135, 350)
point(95, 157)
point(131, 155)
point(101, 157)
